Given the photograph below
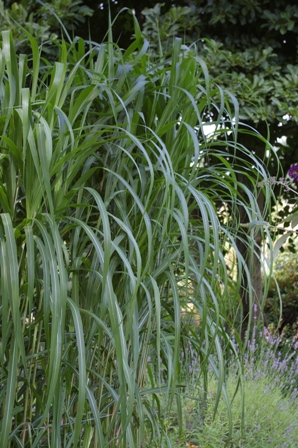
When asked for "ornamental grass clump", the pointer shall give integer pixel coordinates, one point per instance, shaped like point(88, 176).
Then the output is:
point(109, 191)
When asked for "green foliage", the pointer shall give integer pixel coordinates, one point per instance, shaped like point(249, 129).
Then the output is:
point(166, 26)
point(269, 385)
point(43, 20)
point(270, 419)
point(250, 60)
point(251, 49)
point(284, 288)
point(108, 213)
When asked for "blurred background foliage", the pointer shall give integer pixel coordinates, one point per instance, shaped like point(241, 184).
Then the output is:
point(284, 290)
point(45, 21)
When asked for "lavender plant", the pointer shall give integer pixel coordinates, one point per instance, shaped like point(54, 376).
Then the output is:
point(271, 400)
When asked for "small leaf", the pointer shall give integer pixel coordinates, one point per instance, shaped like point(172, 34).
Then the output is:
point(279, 244)
point(294, 222)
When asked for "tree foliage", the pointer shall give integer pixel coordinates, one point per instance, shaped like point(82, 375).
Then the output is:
point(46, 21)
point(286, 277)
point(251, 49)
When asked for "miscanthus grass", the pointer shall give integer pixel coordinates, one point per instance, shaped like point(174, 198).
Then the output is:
point(109, 196)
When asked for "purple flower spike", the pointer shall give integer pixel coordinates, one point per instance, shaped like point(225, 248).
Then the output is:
point(293, 173)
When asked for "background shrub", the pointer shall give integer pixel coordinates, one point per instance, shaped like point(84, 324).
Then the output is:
point(283, 288)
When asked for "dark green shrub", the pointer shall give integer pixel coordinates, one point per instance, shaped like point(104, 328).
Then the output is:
point(43, 20)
